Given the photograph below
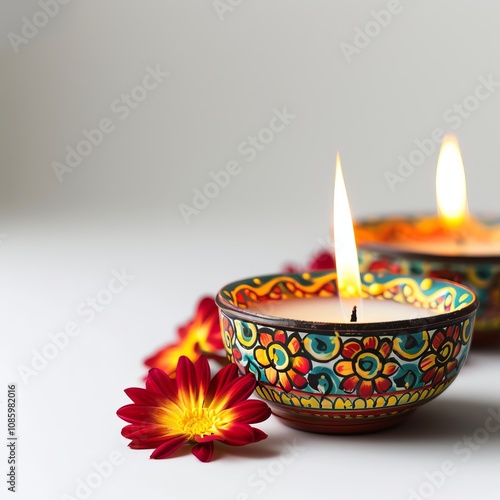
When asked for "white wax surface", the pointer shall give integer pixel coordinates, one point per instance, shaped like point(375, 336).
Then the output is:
point(328, 310)
point(447, 247)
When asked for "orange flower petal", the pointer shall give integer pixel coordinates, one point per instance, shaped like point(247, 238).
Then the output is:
point(439, 375)
point(271, 374)
point(427, 362)
point(294, 345)
point(382, 384)
point(390, 368)
point(385, 349)
point(285, 382)
point(261, 356)
point(451, 365)
point(344, 368)
point(265, 339)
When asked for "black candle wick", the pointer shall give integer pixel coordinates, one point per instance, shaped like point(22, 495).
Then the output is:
point(354, 316)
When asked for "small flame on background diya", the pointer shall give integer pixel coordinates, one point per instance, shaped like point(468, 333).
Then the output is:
point(451, 190)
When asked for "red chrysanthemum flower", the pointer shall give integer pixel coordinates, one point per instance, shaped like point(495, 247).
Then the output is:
point(191, 408)
point(201, 335)
point(322, 260)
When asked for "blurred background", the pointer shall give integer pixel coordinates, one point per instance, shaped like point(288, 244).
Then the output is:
point(368, 80)
point(193, 143)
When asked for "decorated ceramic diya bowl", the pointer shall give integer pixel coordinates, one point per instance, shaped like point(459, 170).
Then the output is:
point(347, 377)
point(379, 248)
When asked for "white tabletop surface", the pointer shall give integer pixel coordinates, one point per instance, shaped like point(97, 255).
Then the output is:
point(66, 413)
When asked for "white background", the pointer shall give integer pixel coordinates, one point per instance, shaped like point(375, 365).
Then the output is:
point(119, 209)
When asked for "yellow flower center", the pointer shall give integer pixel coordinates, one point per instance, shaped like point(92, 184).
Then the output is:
point(198, 422)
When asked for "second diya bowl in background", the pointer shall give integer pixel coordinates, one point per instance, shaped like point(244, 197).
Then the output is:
point(344, 377)
point(412, 246)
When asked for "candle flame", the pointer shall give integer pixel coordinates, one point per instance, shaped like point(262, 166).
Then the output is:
point(346, 256)
point(451, 190)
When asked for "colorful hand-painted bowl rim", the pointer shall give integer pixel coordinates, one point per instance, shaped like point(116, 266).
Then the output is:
point(392, 250)
point(464, 302)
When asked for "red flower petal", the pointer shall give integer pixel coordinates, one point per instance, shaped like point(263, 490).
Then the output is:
point(238, 434)
point(144, 397)
point(142, 433)
point(382, 384)
point(437, 340)
point(207, 309)
point(258, 435)
point(221, 379)
point(322, 260)
point(236, 391)
point(137, 414)
point(208, 438)
point(280, 336)
point(203, 451)
point(202, 370)
point(350, 349)
point(251, 411)
point(365, 388)
point(349, 383)
point(301, 364)
point(297, 379)
point(143, 445)
point(187, 384)
point(168, 447)
point(158, 381)
point(427, 376)
point(370, 342)
point(453, 332)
